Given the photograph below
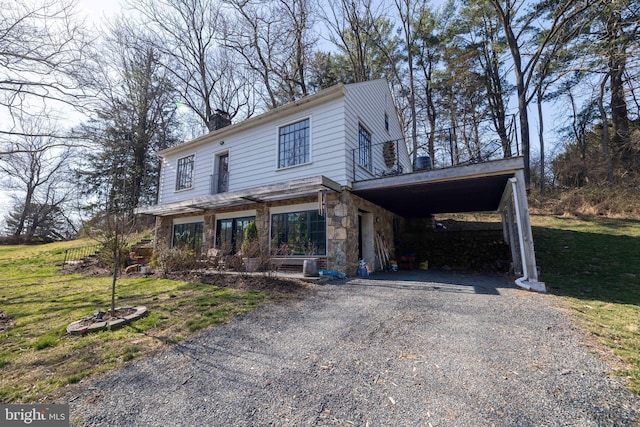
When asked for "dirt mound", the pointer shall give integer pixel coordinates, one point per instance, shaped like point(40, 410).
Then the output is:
point(6, 322)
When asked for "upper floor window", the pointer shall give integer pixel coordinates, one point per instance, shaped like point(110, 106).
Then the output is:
point(386, 122)
point(184, 176)
point(293, 144)
point(364, 147)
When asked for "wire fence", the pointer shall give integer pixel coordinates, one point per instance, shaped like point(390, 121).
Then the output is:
point(466, 143)
point(73, 255)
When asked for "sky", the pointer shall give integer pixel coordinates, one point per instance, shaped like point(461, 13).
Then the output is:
point(96, 10)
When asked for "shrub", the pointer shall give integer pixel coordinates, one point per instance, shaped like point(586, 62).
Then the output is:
point(173, 259)
point(251, 244)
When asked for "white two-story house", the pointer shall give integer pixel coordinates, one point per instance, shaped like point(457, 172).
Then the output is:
point(290, 170)
point(330, 177)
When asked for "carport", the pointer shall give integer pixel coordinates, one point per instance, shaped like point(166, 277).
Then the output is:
point(495, 186)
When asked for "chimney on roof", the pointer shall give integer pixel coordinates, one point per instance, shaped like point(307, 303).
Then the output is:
point(218, 120)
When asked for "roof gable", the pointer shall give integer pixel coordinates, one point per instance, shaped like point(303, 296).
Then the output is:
point(310, 101)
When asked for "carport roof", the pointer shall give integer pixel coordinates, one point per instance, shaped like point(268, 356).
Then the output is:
point(470, 188)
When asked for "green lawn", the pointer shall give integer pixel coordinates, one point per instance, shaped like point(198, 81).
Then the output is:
point(594, 264)
point(36, 355)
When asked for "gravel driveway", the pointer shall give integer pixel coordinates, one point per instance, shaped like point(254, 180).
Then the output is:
point(400, 349)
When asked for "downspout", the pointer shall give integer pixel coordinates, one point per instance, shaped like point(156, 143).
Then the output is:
point(525, 272)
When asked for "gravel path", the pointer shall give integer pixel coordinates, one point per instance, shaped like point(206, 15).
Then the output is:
point(429, 350)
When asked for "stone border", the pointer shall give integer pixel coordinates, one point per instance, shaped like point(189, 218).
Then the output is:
point(80, 327)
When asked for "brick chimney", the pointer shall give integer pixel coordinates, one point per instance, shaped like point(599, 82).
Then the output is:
point(219, 119)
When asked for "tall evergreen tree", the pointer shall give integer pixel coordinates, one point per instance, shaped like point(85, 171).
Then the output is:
point(137, 119)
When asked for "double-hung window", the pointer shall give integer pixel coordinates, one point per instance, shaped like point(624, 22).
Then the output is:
point(364, 148)
point(184, 173)
point(293, 144)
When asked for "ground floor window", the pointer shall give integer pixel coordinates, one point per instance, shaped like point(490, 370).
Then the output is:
point(230, 233)
point(304, 232)
point(188, 235)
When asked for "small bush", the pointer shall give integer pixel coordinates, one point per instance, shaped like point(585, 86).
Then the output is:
point(106, 258)
point(174, 259)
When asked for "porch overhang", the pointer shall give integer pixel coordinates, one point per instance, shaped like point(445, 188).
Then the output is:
point(266, 193)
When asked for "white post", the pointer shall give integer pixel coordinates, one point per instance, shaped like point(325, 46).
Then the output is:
point(530, 270)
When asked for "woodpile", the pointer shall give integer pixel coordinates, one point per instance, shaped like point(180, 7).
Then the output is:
point(462, 250)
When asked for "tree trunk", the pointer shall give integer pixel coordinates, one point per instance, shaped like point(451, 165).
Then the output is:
point(619, 116)
point(25, 212)
point(605, 131)
point(541, 137)
point(116, 262)
point(514, 47)
point(617, 65)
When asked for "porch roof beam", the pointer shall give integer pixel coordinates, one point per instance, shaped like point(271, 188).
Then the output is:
point(266, 193)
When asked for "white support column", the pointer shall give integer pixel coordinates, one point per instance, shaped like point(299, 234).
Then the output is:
point(509, 227)
point(529, 280)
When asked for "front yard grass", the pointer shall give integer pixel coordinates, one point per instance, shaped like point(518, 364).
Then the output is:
point(37, 357)
point(594, 264)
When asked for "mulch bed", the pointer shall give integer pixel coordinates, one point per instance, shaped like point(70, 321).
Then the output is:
point(262, 282)
point(289, 287)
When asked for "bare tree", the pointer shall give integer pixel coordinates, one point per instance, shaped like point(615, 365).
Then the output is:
point(274, 40)
point(429, 43)
point(44, 57)
point(35, 172)
point(486, 39)
point(113, 224)
point(186, 33)
point(364, 36)
point(526, 54)
point(135, 119)
point(410, 13)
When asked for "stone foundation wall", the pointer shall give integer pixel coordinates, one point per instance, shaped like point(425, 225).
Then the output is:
point(342, 230)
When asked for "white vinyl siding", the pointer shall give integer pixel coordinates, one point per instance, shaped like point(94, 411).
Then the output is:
point(253, 155)
point(366, 104)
